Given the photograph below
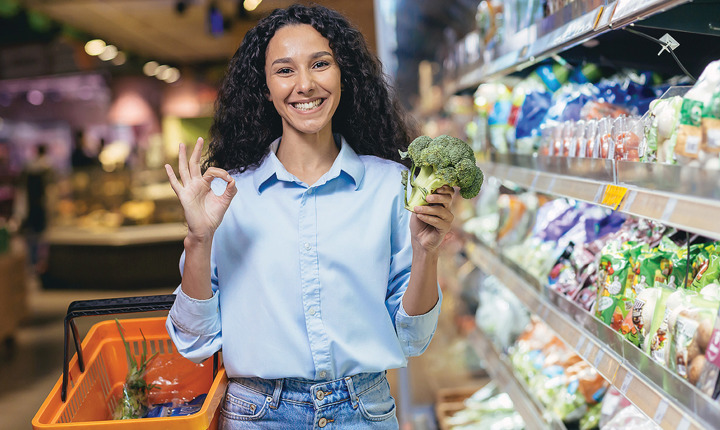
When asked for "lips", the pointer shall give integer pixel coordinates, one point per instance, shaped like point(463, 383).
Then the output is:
point(306, 106)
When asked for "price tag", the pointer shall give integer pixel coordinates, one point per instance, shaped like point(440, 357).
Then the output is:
point(588, 349)
point(580, 343)
point(626, 383)
point(684, 424)
point(613, 196)
point(669, 209)
point(598, 358)
point(660, 411)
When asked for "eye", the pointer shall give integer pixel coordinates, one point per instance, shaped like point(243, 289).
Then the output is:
point(321, 64)
point(283, 71)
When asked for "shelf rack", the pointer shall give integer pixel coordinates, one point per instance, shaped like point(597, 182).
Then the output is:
point(578, 22)
point(680, 196)
point(503, 375)
point(662, 395)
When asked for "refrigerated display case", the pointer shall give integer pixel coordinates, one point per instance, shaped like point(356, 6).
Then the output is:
point(683, 196)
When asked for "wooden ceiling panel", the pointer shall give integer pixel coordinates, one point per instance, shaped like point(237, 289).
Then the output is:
point(155, 30)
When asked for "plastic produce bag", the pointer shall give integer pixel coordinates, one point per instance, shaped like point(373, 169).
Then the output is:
point(631, 418)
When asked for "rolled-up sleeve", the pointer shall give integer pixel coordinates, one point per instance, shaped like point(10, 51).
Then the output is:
point(416, 331)
point(194, 325)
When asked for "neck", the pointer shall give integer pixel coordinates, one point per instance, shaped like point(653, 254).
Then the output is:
point(307, 156)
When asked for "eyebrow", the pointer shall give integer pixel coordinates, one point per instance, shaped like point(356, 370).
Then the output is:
point(286, 60)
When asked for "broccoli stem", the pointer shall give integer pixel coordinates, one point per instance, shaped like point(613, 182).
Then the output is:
point(425, 183)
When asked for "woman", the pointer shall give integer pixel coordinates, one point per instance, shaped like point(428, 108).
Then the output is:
point(314, 280)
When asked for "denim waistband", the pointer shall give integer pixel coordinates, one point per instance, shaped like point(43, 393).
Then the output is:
point(317, 393)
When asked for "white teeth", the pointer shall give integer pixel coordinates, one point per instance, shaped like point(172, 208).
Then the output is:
point(308, 105)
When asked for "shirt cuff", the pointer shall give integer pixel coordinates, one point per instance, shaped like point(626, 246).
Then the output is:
point(196, 317)
point(415, 332)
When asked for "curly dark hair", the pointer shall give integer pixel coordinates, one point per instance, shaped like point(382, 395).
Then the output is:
point(369, 115)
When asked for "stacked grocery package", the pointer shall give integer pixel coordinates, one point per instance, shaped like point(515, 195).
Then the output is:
point(595, 231)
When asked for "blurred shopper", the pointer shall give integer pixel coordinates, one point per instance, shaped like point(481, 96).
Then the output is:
point(35, 179)
point(304, 279)
point(79, 158)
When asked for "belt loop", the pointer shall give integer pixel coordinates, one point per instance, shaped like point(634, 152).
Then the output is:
point(351, 391)
point(276, 393)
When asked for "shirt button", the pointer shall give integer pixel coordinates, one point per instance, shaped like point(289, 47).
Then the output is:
point(322, 422)
point(312, 311)
point(307, 246)
point(320, 395)
point(322, 374)
point(310, 191)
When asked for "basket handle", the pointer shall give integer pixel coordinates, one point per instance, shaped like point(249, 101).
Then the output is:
point(121, 305)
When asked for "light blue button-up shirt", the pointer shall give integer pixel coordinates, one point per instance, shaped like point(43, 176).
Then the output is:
point(308, 280)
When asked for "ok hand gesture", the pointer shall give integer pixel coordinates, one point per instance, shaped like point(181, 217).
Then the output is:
point(203, 208)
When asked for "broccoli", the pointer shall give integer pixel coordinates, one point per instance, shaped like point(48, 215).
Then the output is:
point(437, 162)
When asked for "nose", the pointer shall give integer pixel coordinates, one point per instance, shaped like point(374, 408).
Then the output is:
point(305, 83)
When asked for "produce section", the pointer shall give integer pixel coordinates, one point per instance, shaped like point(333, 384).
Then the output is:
point(561, 129)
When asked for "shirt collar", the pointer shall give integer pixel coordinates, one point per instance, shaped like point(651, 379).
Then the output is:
point(347, 161)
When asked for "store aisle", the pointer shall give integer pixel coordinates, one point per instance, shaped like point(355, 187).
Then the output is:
point(29, 370)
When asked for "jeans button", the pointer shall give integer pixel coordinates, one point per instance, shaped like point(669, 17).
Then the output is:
point(322, 422)
point(319, 395)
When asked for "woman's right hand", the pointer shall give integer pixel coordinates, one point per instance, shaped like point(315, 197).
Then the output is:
point(203, 208)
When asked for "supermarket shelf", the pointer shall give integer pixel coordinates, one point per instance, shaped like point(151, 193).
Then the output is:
point(503, 375)
point(576, 23)
point(683, 197)
point(678, 405)
point(119, 236)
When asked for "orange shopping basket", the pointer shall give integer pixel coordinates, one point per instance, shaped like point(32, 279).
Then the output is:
point(90, 387)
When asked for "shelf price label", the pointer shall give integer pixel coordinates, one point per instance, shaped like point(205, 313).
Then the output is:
point(613, 196)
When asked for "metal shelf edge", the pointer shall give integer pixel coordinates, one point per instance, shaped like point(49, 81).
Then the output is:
point(598, 344)
point(504, 376)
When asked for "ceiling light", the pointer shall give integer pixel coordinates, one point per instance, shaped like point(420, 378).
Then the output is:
point(160, 70)
point(35, 97)
point(150, 68)
point(170, 75)
point(108, 53)
point(120, 59)
point(251, 5)
point(95, 47)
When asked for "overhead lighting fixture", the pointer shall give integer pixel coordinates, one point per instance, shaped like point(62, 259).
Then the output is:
point(95, 47)
point(170, 75)
point(120, 59)
point(150, 68)
point(251, 5)
point(108, 53)
point(160, 70)
point(35, 97)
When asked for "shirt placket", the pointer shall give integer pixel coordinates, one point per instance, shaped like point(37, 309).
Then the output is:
point(310, 283)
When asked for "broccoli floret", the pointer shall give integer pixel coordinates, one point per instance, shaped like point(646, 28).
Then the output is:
point(444, 160)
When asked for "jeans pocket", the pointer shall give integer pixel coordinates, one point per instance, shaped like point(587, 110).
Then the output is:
point(243, 404)
point(376, 404)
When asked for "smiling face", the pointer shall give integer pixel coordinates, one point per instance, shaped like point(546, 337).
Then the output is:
point(303, 79)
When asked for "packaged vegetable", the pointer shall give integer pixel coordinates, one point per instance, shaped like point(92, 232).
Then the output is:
point(711, 124)
point(692, 330)
point(642, 314)
point(656, 344)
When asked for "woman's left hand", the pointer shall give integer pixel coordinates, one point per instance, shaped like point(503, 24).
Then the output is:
point(429, 224)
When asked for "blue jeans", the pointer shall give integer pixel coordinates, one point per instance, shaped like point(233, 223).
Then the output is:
point(356, 402)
